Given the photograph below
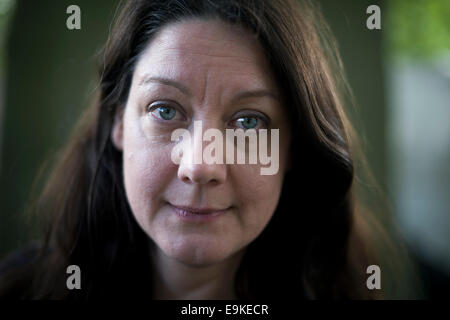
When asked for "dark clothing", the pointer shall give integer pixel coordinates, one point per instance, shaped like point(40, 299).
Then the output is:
point(15, 272)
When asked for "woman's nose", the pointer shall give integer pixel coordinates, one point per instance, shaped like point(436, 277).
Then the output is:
point(194, 169)
point(203, 173)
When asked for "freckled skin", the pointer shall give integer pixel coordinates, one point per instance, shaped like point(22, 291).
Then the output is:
point(214, 61)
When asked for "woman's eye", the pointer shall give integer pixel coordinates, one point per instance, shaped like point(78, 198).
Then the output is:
point(164, 112)
point(250, 122)
point(167, 113)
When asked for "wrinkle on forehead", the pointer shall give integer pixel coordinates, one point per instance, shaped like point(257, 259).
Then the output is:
point(226, 54)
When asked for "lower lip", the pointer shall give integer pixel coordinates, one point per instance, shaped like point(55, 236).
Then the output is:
point(191, 216)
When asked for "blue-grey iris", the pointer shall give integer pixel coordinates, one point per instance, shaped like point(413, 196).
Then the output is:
point(167, 113)
point(248, 122)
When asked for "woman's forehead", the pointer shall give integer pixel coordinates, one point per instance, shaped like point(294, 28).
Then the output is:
point(207, 33)
point(190, 49)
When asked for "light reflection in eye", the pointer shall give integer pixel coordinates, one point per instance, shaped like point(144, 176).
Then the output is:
point(164, 112)
point(248, 122)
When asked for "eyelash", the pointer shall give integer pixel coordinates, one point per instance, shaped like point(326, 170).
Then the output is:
point(155, 105)
point(262, 119)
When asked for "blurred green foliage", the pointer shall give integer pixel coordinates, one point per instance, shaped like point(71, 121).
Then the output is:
point(418, 28)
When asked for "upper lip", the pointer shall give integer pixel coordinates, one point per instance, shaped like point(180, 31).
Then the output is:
point(198, 210)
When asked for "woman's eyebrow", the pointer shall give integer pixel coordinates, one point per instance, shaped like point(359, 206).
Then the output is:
point(167, 82)
point(258, 93)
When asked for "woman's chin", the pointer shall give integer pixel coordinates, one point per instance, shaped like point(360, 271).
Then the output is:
point(197, 253)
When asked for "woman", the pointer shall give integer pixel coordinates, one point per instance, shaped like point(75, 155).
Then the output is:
point(141, 225)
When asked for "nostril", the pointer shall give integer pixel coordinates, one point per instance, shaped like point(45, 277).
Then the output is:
point(202, 173)
point(186, 179)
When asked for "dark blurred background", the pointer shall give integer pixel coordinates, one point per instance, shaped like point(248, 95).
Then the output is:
point(400, 76)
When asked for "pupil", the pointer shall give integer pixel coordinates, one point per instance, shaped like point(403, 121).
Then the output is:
point(166, 113)
point(249, 122)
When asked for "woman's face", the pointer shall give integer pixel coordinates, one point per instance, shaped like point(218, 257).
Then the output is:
point(198, 70)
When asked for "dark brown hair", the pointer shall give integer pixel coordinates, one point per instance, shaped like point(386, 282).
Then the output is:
point(315, 246)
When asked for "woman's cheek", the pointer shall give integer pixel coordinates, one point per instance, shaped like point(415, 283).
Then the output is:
point(258, 194)
point(147, 170)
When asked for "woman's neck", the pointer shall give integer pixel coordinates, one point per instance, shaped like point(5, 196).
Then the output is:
point(178, 281)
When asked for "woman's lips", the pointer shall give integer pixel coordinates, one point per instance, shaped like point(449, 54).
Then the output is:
point(198, 214)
